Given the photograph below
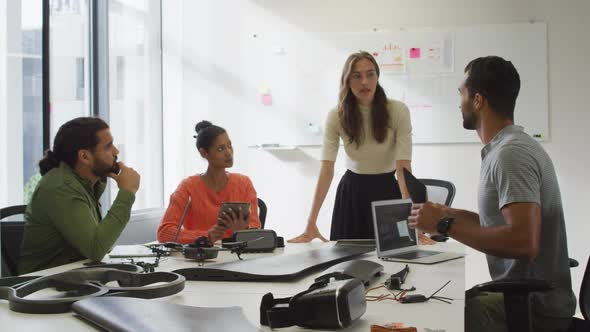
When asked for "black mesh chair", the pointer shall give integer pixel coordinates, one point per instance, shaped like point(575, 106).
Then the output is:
point(439, 191)
point(261, 212)
point(517, 300)
point(11, 235)
point(584, 297)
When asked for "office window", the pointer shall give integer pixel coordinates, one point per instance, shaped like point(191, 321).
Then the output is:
point(80, 78)
point(135, 93)
point(68, 56)
point(128, 55)
point(21, 115)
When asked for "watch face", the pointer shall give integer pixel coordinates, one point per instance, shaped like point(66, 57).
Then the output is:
point(443, 226)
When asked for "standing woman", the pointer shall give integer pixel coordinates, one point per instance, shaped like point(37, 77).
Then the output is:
point(377, 137)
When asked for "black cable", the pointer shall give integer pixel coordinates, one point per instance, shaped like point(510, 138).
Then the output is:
point(443, 286)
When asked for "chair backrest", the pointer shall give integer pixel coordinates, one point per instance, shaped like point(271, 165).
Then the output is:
point(439, 191)
point(12, 211)
point(11, 235)
point(585, 293)
point(261, 212)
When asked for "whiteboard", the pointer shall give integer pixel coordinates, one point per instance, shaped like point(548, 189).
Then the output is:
point(297, 77)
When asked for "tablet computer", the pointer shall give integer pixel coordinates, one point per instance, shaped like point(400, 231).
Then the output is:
point(235, 207)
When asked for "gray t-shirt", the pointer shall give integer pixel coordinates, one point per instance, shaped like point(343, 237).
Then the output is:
point(515, 168)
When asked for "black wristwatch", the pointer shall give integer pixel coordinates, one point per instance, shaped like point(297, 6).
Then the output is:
point(444, 225)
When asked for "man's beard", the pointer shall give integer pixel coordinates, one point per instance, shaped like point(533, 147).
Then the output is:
point(469, 118)
point(102, 169)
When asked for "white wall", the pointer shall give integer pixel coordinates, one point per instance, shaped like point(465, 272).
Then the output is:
point(3, 113)
point(198, 86)
point(174, 133)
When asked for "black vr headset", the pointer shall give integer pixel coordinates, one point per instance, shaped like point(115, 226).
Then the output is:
point(258, 240)
point(327, 304)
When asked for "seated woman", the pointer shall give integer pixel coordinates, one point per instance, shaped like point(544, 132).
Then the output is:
point(207, 192)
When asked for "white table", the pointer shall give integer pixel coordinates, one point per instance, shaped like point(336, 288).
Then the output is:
point(433, 315)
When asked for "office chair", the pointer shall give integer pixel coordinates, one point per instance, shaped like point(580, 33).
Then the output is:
point(11, 235)
point(261, 212)
point(517, 300)
point(584, 302)
point(439, 191)
point(422, 190)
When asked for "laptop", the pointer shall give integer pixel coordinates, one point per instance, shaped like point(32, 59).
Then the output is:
point(395, 240)
point(131, 251)
point(188, 204)
point(138, 250)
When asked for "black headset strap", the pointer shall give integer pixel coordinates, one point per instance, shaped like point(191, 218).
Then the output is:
point(85, 283)
point(16, 281)
point(277, 313)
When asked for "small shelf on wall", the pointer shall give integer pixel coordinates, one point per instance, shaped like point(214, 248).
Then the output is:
point(273, 147)
point(285, 147)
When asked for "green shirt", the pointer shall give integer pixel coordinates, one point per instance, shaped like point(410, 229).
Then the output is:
point(64, 223)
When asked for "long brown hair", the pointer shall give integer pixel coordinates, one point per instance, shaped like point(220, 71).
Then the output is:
point(348, 108)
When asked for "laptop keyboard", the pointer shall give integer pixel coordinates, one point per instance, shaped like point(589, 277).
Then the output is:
point(412, 254)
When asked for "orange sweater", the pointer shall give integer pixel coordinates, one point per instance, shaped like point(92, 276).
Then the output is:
point(204, 209)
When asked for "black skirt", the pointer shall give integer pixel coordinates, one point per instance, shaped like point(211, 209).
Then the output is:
point(352, 217)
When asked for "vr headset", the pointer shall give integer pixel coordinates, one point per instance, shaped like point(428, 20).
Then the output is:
point(327, 304)
point(258, 240)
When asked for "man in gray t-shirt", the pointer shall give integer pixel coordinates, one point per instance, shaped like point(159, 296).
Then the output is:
point(520, 225)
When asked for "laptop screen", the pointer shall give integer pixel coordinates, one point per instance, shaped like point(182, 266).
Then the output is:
point(391, 224)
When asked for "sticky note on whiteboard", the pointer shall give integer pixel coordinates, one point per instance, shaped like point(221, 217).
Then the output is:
point(266, 99)
point(415, 53)
point(263, 90)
